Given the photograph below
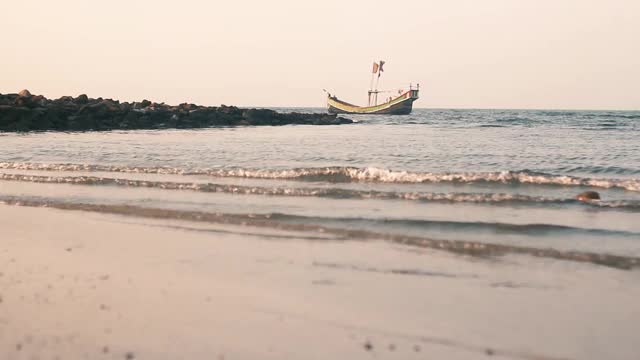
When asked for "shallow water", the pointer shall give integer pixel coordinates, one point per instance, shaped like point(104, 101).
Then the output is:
point(492, 176)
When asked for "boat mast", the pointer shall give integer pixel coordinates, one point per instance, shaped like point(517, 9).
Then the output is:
point(373, 73)
point(380, 70)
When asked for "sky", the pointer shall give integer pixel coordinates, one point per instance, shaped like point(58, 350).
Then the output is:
point(518, 54)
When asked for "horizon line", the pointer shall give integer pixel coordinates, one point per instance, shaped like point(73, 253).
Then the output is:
point(415, 108)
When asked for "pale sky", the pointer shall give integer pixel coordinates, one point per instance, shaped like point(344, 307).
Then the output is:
point(552, 54)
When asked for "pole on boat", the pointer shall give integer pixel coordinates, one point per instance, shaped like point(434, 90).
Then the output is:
point(373, 73)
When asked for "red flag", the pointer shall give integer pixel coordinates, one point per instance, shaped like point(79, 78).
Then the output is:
point(375, 67)
point(380, 72)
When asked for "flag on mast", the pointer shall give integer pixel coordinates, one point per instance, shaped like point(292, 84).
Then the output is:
point(380, 67)
point(375, 67)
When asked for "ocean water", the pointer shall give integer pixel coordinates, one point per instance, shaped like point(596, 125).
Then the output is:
point(479, 182)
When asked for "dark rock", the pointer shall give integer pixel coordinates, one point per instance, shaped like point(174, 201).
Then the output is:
point(82, 99)
point(368, 346)
point(41, 100)
point(108, 105)
point(260, 116)
point(588, 196)
point(187, 107)
point(25, 112)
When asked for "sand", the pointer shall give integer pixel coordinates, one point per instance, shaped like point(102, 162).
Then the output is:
point(81, 285)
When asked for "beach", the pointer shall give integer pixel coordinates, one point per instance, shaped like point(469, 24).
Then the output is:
point(328, 180)
point(95, 285)
point(443, 234)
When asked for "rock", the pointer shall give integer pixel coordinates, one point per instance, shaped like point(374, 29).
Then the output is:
point(25, 112)
point(187, 106)
point(82, 99)
point(260, 116)
point(40, 100)
point(109, 105)
point(588, 196)
point(227, 109)
point(368, 346)
point(141, 105)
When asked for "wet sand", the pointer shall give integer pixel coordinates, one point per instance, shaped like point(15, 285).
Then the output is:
point(77, 285)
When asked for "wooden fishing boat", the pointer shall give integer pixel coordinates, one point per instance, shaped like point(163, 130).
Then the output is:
point(401, 104)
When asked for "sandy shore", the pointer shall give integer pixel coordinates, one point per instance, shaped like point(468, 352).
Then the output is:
point(77, 285)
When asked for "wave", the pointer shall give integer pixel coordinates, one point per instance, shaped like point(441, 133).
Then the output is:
point(333, 193)
point(550, 113)
point(589, 114)
point(351, 174)
point(613, 116)
point(473, 248)
point(603, 170)
point(497, 227)
point(515, 120)
point(492, 126)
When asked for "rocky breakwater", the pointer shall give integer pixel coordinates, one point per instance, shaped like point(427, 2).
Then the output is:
point(27, 112)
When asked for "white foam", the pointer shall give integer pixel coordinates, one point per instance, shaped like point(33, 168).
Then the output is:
point(339, 174)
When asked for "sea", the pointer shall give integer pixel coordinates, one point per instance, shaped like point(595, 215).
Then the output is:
point(478, 182)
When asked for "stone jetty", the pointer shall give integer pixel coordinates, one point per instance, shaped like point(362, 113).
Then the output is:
point(26, 112)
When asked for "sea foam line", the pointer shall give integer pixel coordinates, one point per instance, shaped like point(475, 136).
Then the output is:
point(333, 193)
point(352, 174)
point(473, 248)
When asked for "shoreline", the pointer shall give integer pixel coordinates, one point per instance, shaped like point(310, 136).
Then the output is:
point(464, 248)
point(119, 287)
point(24, 112)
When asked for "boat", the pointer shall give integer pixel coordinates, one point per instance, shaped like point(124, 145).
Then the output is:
point(401, 104)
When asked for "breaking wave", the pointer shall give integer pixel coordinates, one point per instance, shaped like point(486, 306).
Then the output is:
point(354, 174)
point(333, 193)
